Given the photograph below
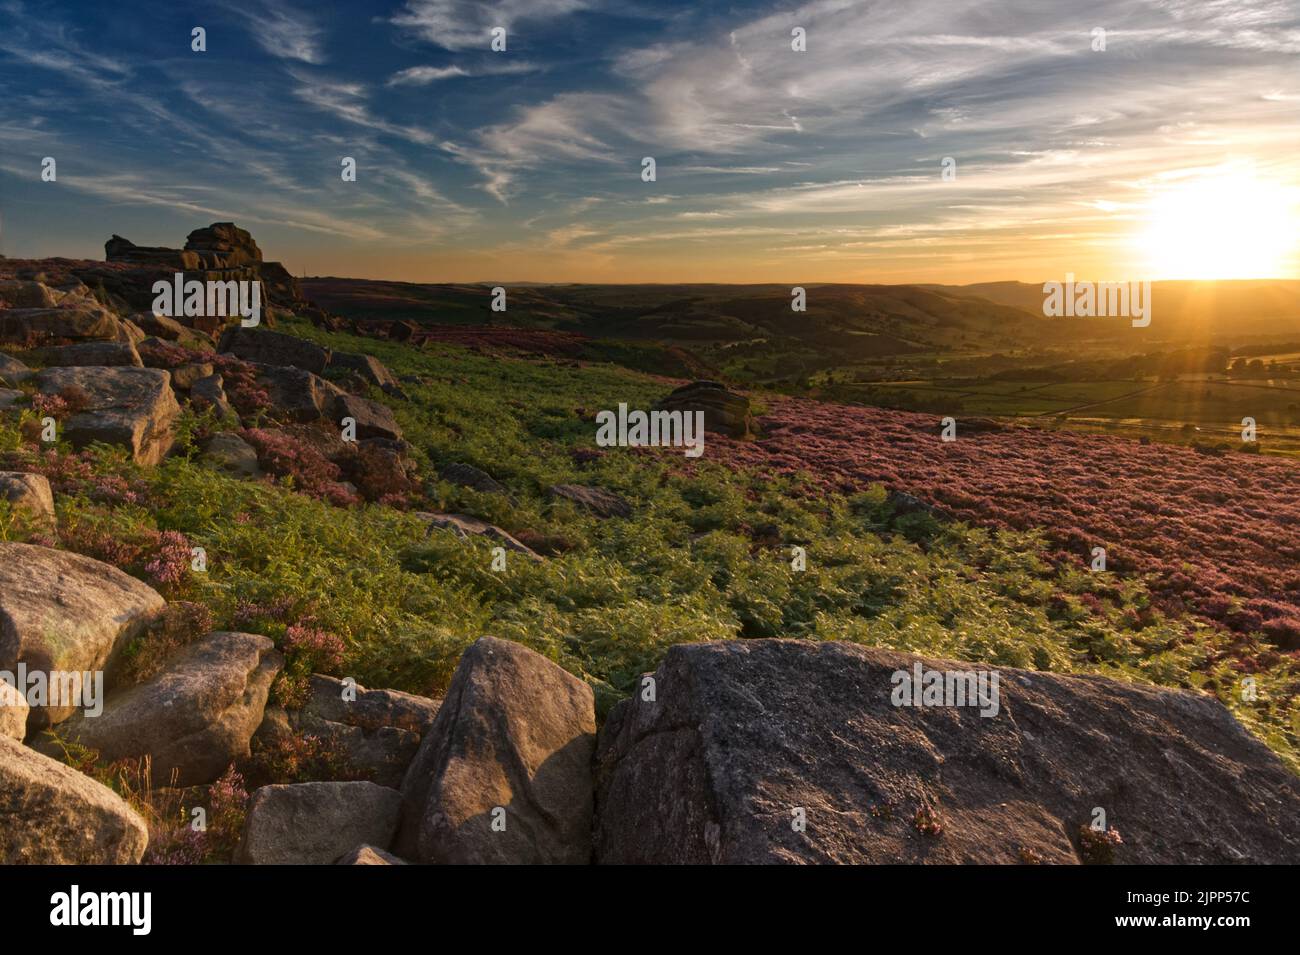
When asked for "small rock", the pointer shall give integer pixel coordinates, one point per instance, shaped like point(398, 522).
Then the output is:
point(210, 392)
point(18, 293)
point(13, 712)
point(466, 475)
point(316, 823)
point(230, 452)
point(599, 501)
point(12, 371)
point(184, 376)
point(367, 366)
point(9, 398)
point(373, 419)
point(369, 855)
point(30, 492)
point(297, 395)
point(463, 526)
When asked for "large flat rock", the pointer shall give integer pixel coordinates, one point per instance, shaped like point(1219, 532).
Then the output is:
point(742, 734)
point(133, 408)
point(194, 718)
point(504, 773)
point(51, 814)
point(64, 611)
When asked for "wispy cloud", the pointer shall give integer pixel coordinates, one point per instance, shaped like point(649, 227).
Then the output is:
point(467, 24)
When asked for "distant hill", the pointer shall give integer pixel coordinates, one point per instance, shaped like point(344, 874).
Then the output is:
point(1181, 309)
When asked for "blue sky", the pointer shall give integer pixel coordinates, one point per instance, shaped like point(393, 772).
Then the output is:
point(772, 165)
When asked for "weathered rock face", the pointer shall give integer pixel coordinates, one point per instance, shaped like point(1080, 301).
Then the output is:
point(9, 398)
point(464, 526)
point(373, 420)
point(50, 814)
point(316, 823)
point(105, 354)
point(512, 744)
point(743, 733)
point(466, 475)
point(13, 712)
point(194, 718)
point(130, 407)
point(184, 376)
point(378, 732)
point(118, 249)
point(87, 321)
point(223, 245)
point(725, 412)
point(12, 371)
point(274, 348)
point(30, 493)
point(599, 501)
point(21, 293)
point(64, 611)
point(298, 395)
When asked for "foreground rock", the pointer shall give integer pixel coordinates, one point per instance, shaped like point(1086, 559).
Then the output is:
point(53, 815)
point(512, 745)
point(63, 611)
point(743, 733)
point(29, 493)
point(316, 823)
point(725, 412)
point(130, 407)
point(192, 720)
point(377, 732)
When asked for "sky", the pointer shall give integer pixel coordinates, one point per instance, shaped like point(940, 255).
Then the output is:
point(1174, 152)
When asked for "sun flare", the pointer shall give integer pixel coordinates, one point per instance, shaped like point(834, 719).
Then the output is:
point(1224, 224)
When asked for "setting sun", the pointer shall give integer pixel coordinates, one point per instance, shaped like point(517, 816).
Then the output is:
point(1221, 224)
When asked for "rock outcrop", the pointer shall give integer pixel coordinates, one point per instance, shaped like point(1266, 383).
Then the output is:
point(725, 411)
point(28, 327)
point(50, 814)
point(504, 774)
point(133, 408)
point(316, 823)
point(274, 348)
point(67, 612)
point(194, 718)
point(744, 738)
